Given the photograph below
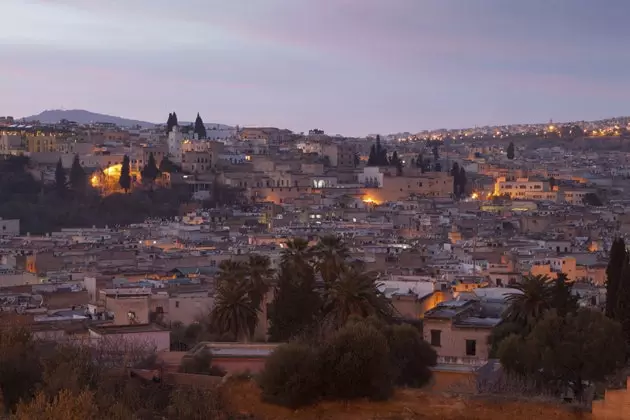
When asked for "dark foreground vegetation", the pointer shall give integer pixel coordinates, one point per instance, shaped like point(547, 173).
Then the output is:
point(47, 381)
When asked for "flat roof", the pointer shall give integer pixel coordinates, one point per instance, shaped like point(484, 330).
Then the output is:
point(127, 329)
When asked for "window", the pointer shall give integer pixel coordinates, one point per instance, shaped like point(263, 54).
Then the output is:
point(177, 303)
point(471, 347)
point(436, 338)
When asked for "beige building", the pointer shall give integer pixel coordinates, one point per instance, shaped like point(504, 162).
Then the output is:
point(35, 143)
point(459, 331)
point(142, 306)
point(524, 189)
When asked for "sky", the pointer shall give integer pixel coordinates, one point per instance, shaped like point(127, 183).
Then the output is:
point(350, 67)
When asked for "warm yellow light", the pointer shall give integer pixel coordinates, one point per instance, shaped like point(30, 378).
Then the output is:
point(95, 181)
point(474, 196)
point(370, 200)
point(552, 128)
point(113, 170)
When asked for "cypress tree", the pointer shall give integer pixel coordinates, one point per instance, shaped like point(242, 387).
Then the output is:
point(462, 181)
point(77, 175)
point(617, 259)
point(125, 174)
point(455, 174)
point(170, 123)
point(622, 296)
point(150, 170)
point(175, 122)
point(510, 151)
point(372, 158)
point(436, 153)
point(200, 128)
point(60, 177)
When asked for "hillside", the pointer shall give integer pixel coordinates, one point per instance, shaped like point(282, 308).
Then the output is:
point(407, 404)
point(84, 117)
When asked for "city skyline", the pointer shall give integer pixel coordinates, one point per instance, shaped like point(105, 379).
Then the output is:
point(350, 67)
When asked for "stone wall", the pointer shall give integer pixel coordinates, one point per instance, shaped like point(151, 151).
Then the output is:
point(614, 406)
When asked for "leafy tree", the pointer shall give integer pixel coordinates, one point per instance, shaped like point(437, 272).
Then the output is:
point(168, 166)
point(411, 356)
point(150, 170)
point(355, 363)
point(567, 351)
point(291, 376)
point(78, 179)
point(436, 153)
point(616, 262)
point(355, 293)
point(592, 199)
point(60, 177)
point(20, 367)
point(510, 151)
point(200, 128)
point(125, 174)
point(233, 311)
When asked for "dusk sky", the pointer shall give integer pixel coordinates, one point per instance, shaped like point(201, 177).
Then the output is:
point(346, 66)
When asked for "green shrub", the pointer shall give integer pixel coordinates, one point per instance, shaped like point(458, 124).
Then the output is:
point(411, 356)
point(200, 364)
point(291, 376)
point(355, 363)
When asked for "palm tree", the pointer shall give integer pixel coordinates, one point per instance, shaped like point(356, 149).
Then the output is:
point(296, 257)
point(259, 275)
point(528, 306)
point(330, 255)
point(232, 271)
point(355, 293)
point(234, 311)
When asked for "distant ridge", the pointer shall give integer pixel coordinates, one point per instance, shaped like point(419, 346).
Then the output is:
point(81, 116)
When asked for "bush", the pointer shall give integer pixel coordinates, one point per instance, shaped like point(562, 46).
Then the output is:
point(200, 364)
point(291, 376)
point(410, 356)
point(355, 362)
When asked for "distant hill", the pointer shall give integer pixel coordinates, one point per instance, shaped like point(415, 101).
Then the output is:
point(81, 116)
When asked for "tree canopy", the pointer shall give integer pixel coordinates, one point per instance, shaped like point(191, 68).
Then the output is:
point(150, 170)
point(510, 151)
point(78, 178)
point(200, 128)
point(125, 174)
point(60, 177)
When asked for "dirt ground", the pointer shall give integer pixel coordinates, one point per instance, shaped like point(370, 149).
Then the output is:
point(244, 397)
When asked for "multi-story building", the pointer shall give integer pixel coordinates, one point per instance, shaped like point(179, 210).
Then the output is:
point(38, 144)
point(525, 189)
